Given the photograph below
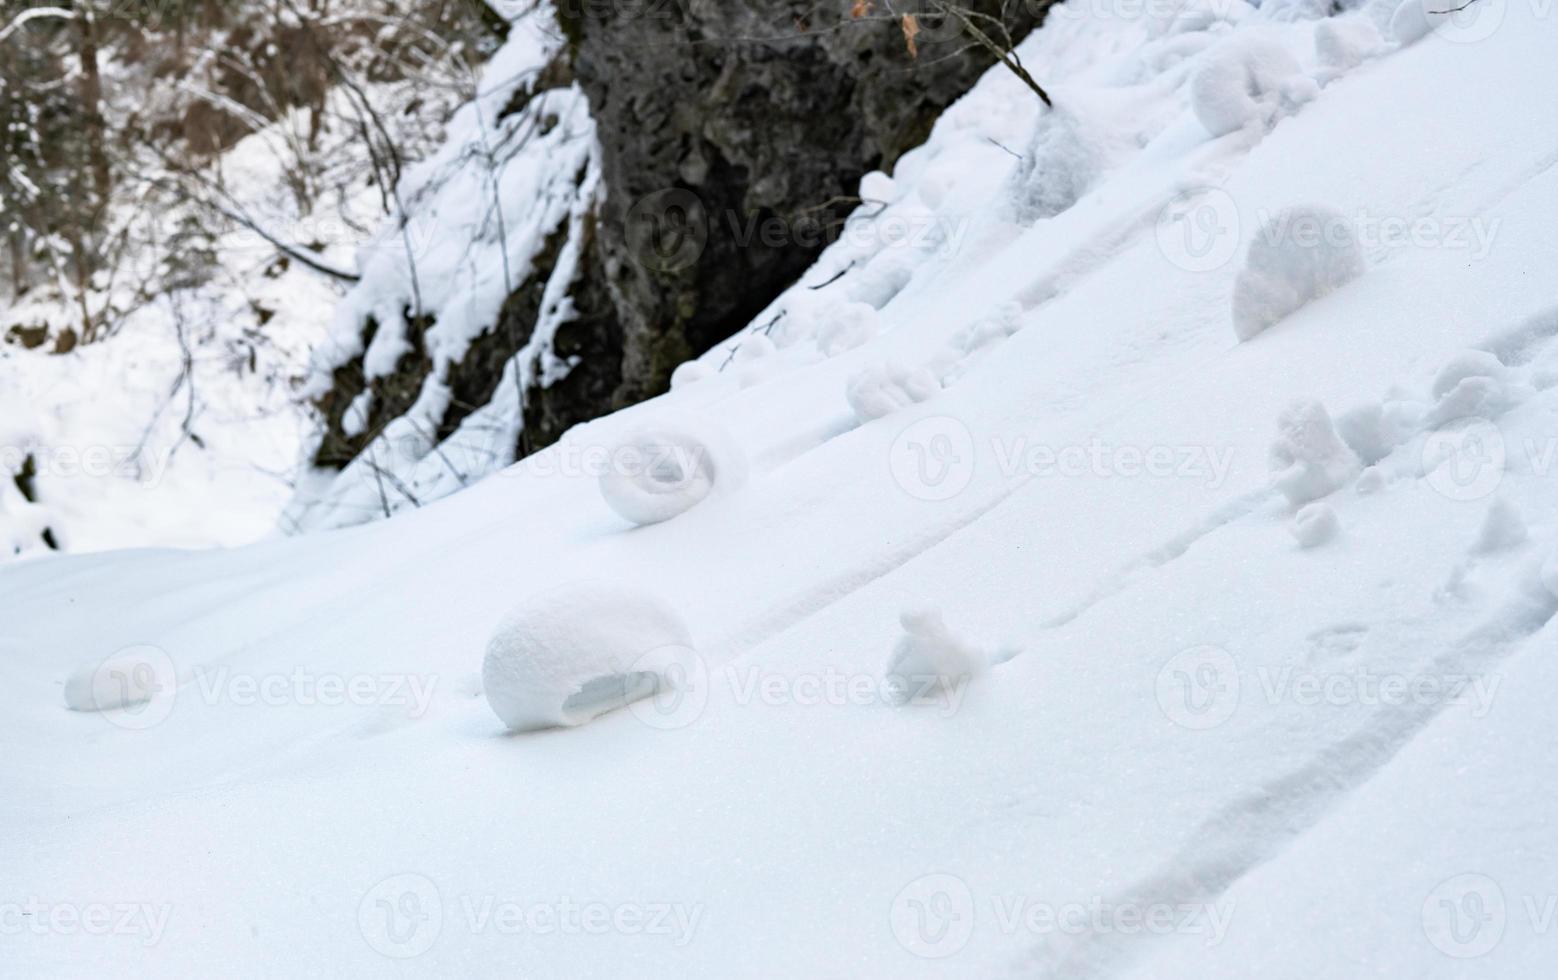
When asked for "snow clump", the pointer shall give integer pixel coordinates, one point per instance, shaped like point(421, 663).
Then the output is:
point(1316, 525)
point(668, 467)
point(129, 679)
point(568, 656)
point(1310, 459)
point(1503, 528)
point(1241, 84)
point(930, 661)
point(1299, 255)
point(882, 389)
point(1061, 163)
point(847, 326)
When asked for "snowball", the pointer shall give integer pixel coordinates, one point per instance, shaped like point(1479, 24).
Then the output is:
point(1468, 364)
point(572, 654)
point(847, 326)
point(669, 467)
point(1061, 163)
point(1416, 19)
point(128, 679)
point(934, 185)
point(1299, 255)
point(883, 389)
point(1240, 84)
point(1503, 528)
point(877, 187)
point(1315, 525)
point(882, 278)
point(1310, 458)
point(755, 348)
point(929, 660)
point(1375, 431)
point(1364, 431)
point(689, 372)
point(990, 330)
point(1342, 44)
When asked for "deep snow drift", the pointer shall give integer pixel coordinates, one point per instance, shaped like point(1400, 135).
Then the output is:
point(1284, 708)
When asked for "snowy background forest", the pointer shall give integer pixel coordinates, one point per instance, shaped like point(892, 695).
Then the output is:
point(780, 488)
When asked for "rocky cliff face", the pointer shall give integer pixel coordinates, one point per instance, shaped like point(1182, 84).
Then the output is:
point(734, 134)
point(732, 138)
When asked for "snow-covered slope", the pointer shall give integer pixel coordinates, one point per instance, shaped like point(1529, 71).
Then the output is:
point(1235, 740)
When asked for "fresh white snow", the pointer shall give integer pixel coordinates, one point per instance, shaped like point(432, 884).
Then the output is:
point(1222, 755)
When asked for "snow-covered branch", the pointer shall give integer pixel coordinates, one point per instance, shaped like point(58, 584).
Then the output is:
point(37, 13)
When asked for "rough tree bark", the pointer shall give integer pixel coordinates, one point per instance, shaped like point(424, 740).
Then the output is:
point(716, 117)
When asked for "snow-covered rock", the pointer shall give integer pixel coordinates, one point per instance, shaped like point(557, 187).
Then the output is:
point(1241, 84)
point(670, 466)
point(1309, 458)
point(1299, 255)
point(565, 657)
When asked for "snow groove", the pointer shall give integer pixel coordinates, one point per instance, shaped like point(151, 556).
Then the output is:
point(1259, 825)
point(781, 617)
point(1176, 547)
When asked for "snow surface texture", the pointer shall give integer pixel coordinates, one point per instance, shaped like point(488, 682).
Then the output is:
point(664, 470)
point(1294, 757)
point(565, 657)
point(1299, 255)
